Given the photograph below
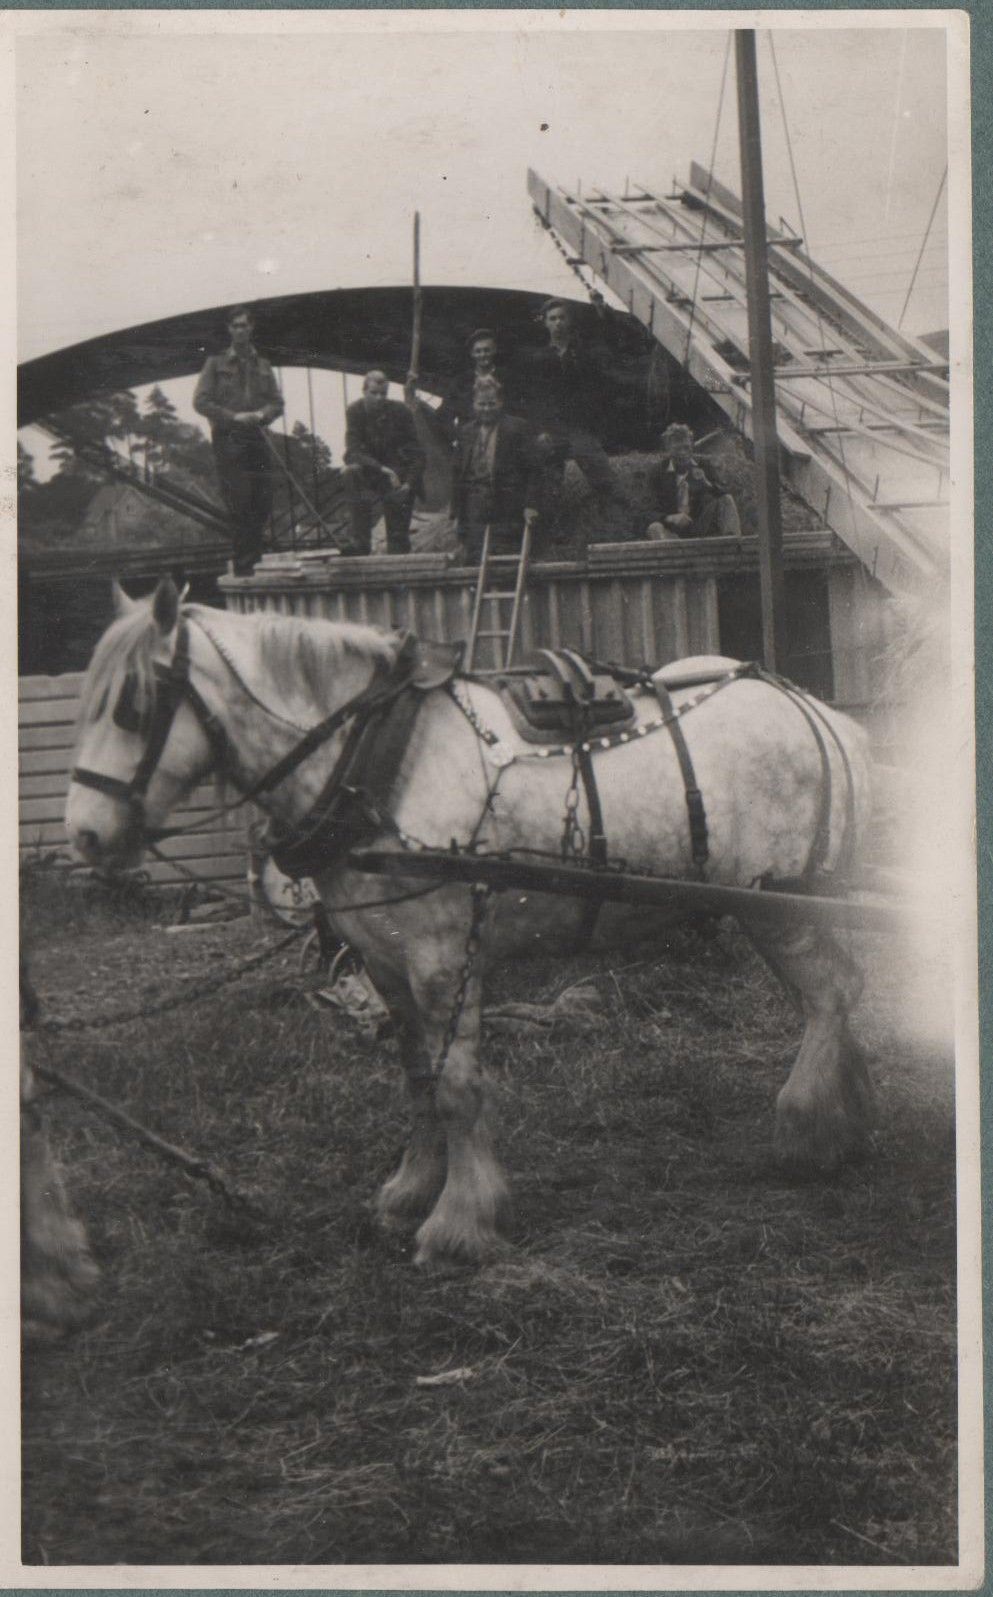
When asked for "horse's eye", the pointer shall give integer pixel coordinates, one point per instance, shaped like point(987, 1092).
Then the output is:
point(129, 714)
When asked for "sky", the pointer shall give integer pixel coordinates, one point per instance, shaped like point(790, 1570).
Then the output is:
point(164, 165)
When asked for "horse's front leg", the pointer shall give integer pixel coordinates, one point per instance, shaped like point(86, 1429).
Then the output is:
point(411, 1191)
point(413, 1188)
point(463, 1225)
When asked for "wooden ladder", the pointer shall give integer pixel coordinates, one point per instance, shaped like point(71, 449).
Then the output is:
point(491, 569)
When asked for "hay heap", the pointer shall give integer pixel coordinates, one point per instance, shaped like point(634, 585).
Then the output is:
point(584, 519)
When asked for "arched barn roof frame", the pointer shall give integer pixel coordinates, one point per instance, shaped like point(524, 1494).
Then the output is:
point(346, 330)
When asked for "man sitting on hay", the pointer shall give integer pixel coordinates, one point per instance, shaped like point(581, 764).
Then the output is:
point(689, 500)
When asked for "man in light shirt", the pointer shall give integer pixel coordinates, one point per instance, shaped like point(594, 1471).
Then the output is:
point(238, 394)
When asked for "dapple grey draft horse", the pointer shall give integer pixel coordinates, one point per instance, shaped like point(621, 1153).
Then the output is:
point(174, 692)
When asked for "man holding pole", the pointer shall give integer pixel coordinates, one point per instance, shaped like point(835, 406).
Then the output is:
point(239, 395)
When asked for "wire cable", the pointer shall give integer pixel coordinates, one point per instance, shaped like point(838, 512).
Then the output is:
point(920, 256)
point(710, 181)
point(810, 266)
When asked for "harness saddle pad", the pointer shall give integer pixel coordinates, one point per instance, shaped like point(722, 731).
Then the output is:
point(566, 702)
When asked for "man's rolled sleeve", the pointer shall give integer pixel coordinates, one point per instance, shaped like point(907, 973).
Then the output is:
point(205, 401)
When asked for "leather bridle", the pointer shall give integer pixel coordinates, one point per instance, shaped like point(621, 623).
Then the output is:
point(173, 687)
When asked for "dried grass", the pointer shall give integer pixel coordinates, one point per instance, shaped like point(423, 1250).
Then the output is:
point(683, 1358)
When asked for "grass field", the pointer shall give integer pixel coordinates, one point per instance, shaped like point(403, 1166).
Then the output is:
point(683, 1357)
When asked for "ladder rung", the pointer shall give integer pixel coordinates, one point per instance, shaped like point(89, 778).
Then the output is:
point(499, 593)
point(504, 634)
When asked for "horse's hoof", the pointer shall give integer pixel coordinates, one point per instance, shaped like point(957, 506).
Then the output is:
point(403, 1209)
point(395, 1223)
point(440, 1248)
point(807, 1145)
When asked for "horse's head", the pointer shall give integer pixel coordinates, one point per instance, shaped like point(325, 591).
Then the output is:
point(145, 737)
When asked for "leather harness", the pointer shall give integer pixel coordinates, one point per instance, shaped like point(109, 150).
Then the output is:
point(173, 686)
point(353, 804)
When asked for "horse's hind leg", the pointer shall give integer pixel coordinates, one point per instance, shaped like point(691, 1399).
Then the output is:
point(413, 1188)
point(463, 1224)
point(823, 1112)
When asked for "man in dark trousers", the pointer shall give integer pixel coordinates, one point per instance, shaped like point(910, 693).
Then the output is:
point(567, 392)
point(689, 499)
point(383, 462)
point(238, 394)
point(496, 477)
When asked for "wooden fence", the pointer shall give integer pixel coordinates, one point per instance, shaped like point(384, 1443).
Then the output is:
point(46, 715)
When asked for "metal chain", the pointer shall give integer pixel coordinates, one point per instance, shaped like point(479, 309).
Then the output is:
point(164, 1006)
point(480, 895)
point(193, 1165)
point(468, 709)
point(573, 843)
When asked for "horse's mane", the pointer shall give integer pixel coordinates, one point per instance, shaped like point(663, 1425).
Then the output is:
point(301, 656)
point(298, 656)
point(128, 646)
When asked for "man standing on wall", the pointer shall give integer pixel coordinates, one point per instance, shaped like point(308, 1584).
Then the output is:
point(240, 397)
point(383, 462)
point(495, 480)
point(567, 394)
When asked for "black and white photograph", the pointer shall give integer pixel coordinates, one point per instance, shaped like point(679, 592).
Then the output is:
point(499, 1068)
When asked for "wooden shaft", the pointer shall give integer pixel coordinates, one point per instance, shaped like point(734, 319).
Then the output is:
point(763, 386)
point(581, 881)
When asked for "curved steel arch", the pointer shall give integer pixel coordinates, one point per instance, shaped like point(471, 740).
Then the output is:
point(346, 329)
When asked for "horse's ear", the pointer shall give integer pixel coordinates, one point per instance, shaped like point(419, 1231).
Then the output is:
point(165, 605)
point(122, 604)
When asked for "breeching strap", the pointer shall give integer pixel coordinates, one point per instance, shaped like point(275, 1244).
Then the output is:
point(699, 844)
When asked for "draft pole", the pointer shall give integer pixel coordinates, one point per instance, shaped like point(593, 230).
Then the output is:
point(763, 383)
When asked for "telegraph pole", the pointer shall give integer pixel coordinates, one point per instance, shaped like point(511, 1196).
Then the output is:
point(763, 383)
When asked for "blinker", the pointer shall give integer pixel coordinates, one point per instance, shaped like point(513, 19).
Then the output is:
point(129, 714)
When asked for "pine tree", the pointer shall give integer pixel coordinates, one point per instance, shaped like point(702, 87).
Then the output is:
point(26, 479)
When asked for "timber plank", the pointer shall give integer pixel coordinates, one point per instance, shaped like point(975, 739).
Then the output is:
point(46, 737)
point(191, 846)
point(66, 686)
point(46, 712)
